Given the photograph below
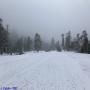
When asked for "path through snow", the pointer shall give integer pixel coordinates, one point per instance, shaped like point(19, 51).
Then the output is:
point(46, 71)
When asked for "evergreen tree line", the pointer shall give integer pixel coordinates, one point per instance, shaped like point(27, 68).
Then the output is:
point(18, 46)
point(79, 44)
point(23, 44)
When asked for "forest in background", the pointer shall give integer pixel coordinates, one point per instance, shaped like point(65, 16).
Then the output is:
point(11, 44)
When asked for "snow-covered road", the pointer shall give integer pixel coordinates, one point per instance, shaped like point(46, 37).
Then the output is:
point(46, 71)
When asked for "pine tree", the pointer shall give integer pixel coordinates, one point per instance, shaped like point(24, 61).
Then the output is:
point(3, 38)
point(63, 47)
point(7, 42)
point(58, 46)
point(68, 41)
point(37, 42)
point(89, 48)
point(84, 41)
point(29, 44)
point(53, 45)
point(19, 46)
point(25, 44)
point(77, 42)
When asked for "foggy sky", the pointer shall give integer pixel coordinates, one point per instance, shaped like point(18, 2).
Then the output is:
point(50, 18)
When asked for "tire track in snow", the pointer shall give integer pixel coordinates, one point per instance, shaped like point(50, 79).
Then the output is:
point(15, 73)
point(78, 75)
point(58, 71)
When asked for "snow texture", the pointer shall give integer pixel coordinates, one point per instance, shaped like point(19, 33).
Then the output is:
point(46, 71)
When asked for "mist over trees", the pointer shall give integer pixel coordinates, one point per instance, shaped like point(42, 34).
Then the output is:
point(12, 44)
point(79, 44)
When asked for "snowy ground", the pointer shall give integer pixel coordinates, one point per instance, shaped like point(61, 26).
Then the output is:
point(46, 71)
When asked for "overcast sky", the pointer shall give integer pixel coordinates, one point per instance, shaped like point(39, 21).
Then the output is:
point(47, 17)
